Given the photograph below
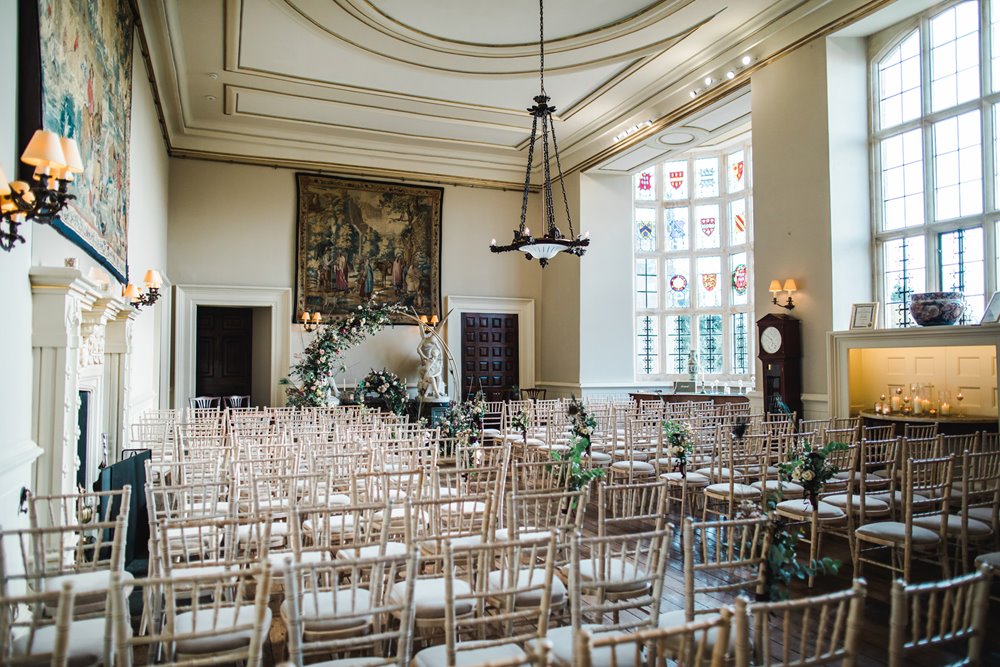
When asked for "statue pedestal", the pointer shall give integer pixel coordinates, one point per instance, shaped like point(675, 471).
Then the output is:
point(431, 409)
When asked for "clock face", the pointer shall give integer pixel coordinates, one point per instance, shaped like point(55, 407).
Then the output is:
point(770, 340)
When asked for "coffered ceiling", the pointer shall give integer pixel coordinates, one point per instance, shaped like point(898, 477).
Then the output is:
point(438, 88)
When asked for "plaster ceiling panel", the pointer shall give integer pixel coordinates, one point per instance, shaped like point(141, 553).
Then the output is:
point(723, 114)
point(633, 159)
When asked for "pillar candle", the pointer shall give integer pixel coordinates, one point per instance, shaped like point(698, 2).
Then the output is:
point(896, 402)
point(945, 409)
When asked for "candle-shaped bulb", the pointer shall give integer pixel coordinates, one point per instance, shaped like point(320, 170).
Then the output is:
point(493, 241)
point(527, 232)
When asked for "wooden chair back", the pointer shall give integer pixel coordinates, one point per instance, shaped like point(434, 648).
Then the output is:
point(722, 557)
point(686, 644)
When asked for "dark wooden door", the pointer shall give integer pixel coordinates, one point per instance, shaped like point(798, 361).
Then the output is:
point(225, 351)
point(489, 354)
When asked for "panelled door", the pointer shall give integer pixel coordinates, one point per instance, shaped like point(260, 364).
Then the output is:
point(225, 351)
point(489, 354)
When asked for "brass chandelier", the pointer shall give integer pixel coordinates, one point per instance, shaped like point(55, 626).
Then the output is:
point(552, 242)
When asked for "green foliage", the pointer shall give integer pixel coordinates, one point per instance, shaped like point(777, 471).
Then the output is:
point(809, 467)
point(677, 438)
point(583, 425)
point(387, 386)
point(783, 565)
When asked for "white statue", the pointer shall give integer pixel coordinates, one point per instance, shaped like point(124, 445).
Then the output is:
point(332, 392)
point(430, 387)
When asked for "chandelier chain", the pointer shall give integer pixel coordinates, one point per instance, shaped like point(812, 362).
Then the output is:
point(550, 213)
point(562, 182)
point(527, 172)
point(541, 44)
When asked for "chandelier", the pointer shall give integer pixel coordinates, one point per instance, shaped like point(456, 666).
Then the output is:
point(552, 242)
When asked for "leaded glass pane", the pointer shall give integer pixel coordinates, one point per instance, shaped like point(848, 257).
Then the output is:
point(645, 229)
point(706, 220)
point(645, 185)
point(955, 55)
point(739, 280)
point(678, 343)
point(647, 347)
point(899, 83)
point(675, 223)
point(677, 274)
point(737, 171)
point(738, 221)
point(675, 180)
point(902, 181)
point(962, 267)
point(710, 343)
point(706, 171)
point(995, 42)
point(741, 343)
point(646, 295)
point(958, 166)
point(905, 273)
point(709, 279)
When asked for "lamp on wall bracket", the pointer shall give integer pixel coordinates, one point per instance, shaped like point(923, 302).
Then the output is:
point(552, 241)
point(139, 297)
point(788, 287)
point(56, 161)
point(311, 321)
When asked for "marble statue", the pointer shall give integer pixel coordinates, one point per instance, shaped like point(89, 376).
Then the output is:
point(430, 386)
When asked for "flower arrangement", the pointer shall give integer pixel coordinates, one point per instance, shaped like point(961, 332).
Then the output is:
point(677, 438)
point(475, 408)
point(322, 358)
point(521, 422)
point(810, 468)
point(386, 385)
point(583, 425)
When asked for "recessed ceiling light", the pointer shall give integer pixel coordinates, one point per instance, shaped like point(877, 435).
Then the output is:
point(693, 94)
point(709, 80)
point(213, 75)
point(746, 60)
point(210, 98)
point(730, 74)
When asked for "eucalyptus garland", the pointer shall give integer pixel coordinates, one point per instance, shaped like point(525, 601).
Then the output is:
point(309, 378)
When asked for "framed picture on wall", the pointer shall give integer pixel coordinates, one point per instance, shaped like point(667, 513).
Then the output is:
point(357, 238)
point(992, 312)
point(864, 315)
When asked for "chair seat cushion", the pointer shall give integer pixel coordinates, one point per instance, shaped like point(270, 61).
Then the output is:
point(436, 656)
point(770, 470)
point(895, 532)
point(253, 531)
point(538, 442)
point(527, 577)
point(954, 525)
point(600, 457)
point(872, 505)
point(845, 475)
point(229, 625)
point(505, 535)
point(718, 473)
point(372, 550)
point(721, 490)
point(563, 641)
point(693, 478)
point(330, 611)
point(464, 507)
point(429, 599)
point(984, 514)
point(788, 489)
point(618, 576)
point(88, 585)
point(86, 642)
point(672, 619)
point(633, 466)
point(992, 559)
point(491, 433)
point(802, 508)
point(277, 559)
point(337, 523)
point(897, 498)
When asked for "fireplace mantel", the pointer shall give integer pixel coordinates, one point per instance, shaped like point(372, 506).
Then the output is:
point(81, 341)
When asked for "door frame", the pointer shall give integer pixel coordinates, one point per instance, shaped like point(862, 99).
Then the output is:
point(525, 311)
point(187, 299)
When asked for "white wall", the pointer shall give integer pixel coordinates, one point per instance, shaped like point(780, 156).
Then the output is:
point(234, 224)
point(17, 451)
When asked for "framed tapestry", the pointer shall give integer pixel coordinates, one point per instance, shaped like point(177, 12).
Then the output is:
point(358, 237)
point(82, 67)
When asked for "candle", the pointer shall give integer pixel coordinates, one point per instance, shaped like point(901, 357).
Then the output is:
point(918, 406)
point(945, 409)
point(896, 402)
point(927, 405)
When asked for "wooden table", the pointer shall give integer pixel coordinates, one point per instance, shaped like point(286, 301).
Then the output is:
point(947, 425)
point(718, 399)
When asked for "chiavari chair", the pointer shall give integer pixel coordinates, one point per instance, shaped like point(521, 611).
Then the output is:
point(686, 644)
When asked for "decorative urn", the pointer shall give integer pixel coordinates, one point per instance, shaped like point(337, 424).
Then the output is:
point(936, 308)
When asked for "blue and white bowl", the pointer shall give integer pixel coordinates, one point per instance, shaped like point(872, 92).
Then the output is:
point(936, 308)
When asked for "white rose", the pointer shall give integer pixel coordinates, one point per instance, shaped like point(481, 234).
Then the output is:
point(808, 475)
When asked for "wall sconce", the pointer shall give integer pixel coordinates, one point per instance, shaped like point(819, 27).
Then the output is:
point(139, 297)
point(788, 287)
point(432, 320)
point(55, 159)
point(311, 321)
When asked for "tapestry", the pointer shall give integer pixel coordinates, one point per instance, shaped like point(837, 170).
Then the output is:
point(86, 84)
point(356, 238)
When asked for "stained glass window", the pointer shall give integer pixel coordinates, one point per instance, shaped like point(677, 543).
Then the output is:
point(962, 269)
point(741, 343)
point(692, 274)
point(935, 150)
point(646, 293)
point(648, 347)
point(904, 274)
point(710, 343)
point(645, 187)
point(645, 229)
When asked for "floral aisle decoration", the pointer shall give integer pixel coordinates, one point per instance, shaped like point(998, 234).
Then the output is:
point(583, 425)
point(521, 422)
point(386, 386)
point(677, 438)
point(455, 428)
point(308, 384)
point(475, 408)
point(810, 468)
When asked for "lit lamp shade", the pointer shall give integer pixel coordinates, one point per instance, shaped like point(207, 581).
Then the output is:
point(305, 316)
point(153, 279)
point(434, 320)
point(23, 189)
point(790, 285)
point(775, 287)
point(74, 163)
point(317, 317)
point(131, 292)
point(44, 150)
point(542, 250)
point(4, 186)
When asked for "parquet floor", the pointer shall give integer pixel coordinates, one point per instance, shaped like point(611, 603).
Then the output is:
point(874, 639)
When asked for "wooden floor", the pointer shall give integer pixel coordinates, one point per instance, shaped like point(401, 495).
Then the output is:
point(874, 639)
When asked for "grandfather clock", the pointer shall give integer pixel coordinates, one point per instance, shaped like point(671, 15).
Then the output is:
point(780, 353)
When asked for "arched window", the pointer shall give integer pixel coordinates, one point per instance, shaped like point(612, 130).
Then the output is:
point(693, 246)
point(935, 107)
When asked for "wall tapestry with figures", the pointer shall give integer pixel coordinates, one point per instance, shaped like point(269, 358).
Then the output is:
point(356, 238)
point(84, 72)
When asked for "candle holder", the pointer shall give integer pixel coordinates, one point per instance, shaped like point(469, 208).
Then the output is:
point(959, 398)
